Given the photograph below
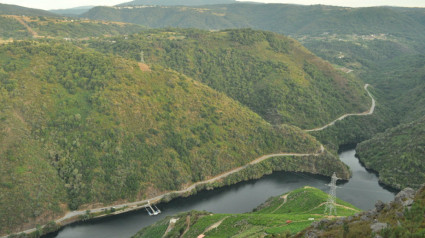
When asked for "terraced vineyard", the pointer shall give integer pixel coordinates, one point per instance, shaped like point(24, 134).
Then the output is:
point(285, 214)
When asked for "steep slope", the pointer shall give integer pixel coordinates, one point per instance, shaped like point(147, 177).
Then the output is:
point(271, 74)
point(7, 9)
point(79, 128)
point(378, 44)
point(300, 207)
point(12, 28)
point(397, 155)
point(403, 217)
point(402, 80)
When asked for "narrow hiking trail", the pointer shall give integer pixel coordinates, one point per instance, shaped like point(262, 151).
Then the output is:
point(141, 204)
point(187, 227)
point(213, 226)
point(171, 225)
point(285, 199)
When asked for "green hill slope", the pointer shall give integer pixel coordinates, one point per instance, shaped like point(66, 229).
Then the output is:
point(12, 28)
point(7, 9)
point(403, 217)
point(79, 127)
point(402, 81)
point(397, 154)
point(24, 27)
point(268, 220)
point(271, 74)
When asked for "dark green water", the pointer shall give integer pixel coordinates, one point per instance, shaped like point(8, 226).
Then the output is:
point(362, 191)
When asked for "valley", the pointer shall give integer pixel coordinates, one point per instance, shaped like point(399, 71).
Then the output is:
point(104, 111)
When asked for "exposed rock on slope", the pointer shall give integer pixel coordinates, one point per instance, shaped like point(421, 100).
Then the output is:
point(403, 217)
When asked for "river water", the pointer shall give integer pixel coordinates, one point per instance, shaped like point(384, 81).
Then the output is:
point(362, 190)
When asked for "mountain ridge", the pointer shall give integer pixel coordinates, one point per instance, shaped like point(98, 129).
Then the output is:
point(176, 2)
point(298, 20)
point(9, 9)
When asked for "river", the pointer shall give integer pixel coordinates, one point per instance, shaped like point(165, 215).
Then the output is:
point(362, 190)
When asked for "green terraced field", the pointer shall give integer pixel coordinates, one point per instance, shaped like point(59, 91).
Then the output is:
point(286, 214)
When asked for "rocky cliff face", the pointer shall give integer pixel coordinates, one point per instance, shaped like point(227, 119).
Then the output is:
point(403, 217)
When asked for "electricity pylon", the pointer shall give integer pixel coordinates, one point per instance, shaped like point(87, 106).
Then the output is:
point(330, 203)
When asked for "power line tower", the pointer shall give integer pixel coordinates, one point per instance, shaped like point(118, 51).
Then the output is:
point(330, 203)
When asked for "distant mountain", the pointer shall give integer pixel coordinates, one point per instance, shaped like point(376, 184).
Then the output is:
point(176, 2)
point(6, 9)
point(72, 11)
point(21, 27)
point(295, 20)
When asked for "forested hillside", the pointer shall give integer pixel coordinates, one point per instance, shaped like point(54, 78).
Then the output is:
point(279, 216)
point(98, 112)
point(79, 127)
point(402, 80)
point(397, 154)
point(12, 28)
point(380, 45)
point(271, 74)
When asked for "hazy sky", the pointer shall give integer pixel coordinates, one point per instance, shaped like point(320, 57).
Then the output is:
point(55, 4)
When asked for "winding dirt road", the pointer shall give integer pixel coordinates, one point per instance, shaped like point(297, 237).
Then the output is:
point(30, 30)
point(368, 112)
point(141, 204)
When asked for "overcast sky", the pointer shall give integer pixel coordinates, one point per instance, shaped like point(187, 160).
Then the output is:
point(56, 4)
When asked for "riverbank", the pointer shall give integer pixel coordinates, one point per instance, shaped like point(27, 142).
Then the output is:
point(309, 163)
point(362, 190)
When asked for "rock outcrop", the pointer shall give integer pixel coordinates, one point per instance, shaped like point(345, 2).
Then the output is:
point(407, 210)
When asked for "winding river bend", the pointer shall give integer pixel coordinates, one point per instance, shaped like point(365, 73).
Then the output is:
point(362, 191)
